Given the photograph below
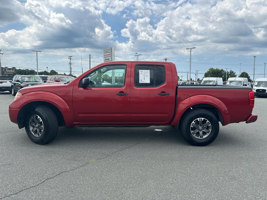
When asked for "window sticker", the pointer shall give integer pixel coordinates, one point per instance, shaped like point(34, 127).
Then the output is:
point(144, 76)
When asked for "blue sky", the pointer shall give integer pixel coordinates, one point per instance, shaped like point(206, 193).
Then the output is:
point(227, 34)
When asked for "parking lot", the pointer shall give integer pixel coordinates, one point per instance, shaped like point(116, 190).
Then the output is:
point(134, 163)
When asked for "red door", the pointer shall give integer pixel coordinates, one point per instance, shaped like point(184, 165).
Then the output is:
point(105, 101)
point(152, 94)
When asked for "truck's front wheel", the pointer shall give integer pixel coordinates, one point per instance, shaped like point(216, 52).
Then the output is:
point(41, 125)
point(200, 127)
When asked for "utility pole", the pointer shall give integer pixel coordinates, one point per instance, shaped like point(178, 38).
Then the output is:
point(36, 52)
point(190, 49)
point(1, 53)
point(196, 75)
point(137, 55)
point(82, 63)
point(226, 74)
point(70, 64)
point(264, 69)
point(254, 68)
point(89, 61)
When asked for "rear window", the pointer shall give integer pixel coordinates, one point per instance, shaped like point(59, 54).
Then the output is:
point(149, 75)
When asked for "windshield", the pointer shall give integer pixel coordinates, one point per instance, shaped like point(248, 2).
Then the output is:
point(238, 83)
point(261, 83)
point(66, 78)
point(31, 79)
point(209, 82)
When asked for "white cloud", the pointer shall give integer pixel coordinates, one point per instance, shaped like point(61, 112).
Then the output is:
point(218, 25)
point(154, 28)
point(10, 11)
point(54, 25)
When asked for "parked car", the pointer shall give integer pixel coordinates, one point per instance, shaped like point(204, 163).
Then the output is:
point(212, 81)
point(260, 87)
point(21, 81)
point(59, 78)
point(5, 85)
point(238, 81)
point(44, 78)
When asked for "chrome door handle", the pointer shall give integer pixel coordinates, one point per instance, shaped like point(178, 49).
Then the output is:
point(122, 94)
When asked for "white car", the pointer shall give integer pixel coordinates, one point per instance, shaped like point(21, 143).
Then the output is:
point(212, 81)
point(5, 85)
point(260, 87)
point(238, 81)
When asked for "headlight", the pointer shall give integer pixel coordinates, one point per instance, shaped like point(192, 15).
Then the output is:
point(18, 95)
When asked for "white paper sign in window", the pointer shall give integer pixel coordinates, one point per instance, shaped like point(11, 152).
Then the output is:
point(144, 76)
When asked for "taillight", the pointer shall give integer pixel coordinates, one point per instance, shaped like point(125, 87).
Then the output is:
point(251, 99)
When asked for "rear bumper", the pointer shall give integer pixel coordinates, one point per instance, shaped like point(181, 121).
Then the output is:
point(252, 118)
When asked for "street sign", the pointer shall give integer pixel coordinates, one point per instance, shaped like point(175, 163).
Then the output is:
point(109, 54)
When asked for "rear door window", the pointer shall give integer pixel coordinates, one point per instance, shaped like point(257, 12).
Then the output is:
point(149, 75)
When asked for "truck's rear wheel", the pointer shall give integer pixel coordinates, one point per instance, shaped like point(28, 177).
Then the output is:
point(41, 125)
point(200, 127)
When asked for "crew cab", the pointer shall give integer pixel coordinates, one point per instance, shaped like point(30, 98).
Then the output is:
point(131, 93)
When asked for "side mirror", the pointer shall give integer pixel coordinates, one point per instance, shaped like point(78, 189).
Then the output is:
point(85, 82)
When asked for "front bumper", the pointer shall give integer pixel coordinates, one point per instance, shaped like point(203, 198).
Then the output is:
point(5, 88)
point(13, 115)
point(252, 118)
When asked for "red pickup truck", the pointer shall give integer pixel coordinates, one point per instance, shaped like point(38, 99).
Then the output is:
point(131, 93)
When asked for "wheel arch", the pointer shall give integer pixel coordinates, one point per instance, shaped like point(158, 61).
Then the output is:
point(28, 108)
point(208, 107)
point(213, 104)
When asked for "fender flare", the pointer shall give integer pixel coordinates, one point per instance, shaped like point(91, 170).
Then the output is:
point(49, 98)
point(187, 103)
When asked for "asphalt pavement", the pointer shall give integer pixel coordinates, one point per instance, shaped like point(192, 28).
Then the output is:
point(134, 163)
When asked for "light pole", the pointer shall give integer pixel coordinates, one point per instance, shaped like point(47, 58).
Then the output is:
point(70, 64)
point(137, 55)
point(264, 69)
point(36, 52)
point(1, 53)
point(190, 49)
point(254, 68)
point(89, 61)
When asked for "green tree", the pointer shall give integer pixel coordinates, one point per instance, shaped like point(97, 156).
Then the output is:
point(245, 75)
point(44, 73)
point(53, 72)
point(214, 72)
point(231, 74)
point(25, 71)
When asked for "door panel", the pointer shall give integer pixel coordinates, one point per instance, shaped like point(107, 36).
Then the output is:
point(152, 97)
point(106, 100)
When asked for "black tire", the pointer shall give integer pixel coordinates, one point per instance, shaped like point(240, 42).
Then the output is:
point(200, 127)
point(42, 125)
